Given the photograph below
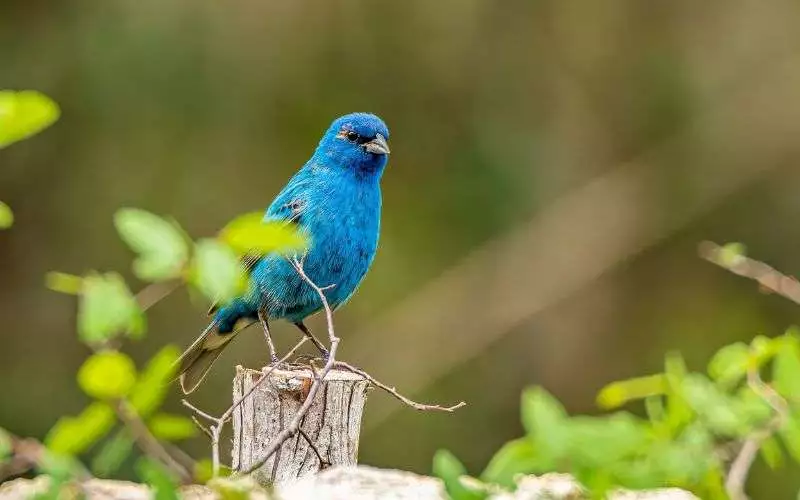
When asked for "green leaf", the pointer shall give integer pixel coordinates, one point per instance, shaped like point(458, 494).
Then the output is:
point(60, 466)
point(172, 427)
point(204, 471)
point(112, 454)
point(165, 487)
point(730, 364)
point(107, 375)
point(63, 283)
point(23, 114)
point(230, 488)
point(679, 413)
point(250, 233)
point(752, 408)
point(719, 411)
point(764, 348)
point(6, 216)
point(685, 460)
point(771, 453)
point(712, 485)
point(790, 434)
point(151, 389)
point(545, 422)
point(217, 271)
point(74, 435)
point(107, 308)
point(160, 244)
point(6, 445)
point(654, 407)
point(60, 469)
point(450, 470)
point(618, 393)
point(596, 441)
point(515, 457)
point(786, 369)
point(540, 410)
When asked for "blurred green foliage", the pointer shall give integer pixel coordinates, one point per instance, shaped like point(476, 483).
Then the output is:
point(160, 245)
point(249, 233)
point(230, 488)
point(107, 308)
point(216, 271)
point(6, 216)
point(23, 114)
point(112, 454)
point(5, 445)
point(107, 375)
point(153, 473)
point(109, 311)
point(171, 427)
point(692, 419)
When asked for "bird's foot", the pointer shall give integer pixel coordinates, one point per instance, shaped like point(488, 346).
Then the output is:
point(326, 355)
point(275, 361)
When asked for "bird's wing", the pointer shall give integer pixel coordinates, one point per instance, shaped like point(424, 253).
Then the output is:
point(288, 206)
point(290, 203)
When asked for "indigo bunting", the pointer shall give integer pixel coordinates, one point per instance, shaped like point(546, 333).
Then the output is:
point(335, 199)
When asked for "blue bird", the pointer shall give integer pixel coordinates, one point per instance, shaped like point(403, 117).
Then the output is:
point(335, 199)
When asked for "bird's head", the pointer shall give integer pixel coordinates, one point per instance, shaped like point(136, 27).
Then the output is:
point(357, 141)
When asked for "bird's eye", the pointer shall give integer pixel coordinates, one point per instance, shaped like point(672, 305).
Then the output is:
point(352, 136)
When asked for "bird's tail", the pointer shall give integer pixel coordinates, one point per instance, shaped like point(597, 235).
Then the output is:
point(194, 363)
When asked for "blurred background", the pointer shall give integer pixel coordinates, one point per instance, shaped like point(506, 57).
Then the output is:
point(554, 166)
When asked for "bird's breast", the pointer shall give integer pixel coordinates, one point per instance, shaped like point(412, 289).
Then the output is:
point(344, 239)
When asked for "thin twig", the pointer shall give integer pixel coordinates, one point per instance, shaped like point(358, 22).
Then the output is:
point(180, 456)
point(294, 424)
point(740, 467)
point(322, 462)
point(153, 293)
point(216, 431)
point(393, 391)
point(768, 278)
point(298, 266)
point(146, 441)
point(199, 411)
point(202, 427)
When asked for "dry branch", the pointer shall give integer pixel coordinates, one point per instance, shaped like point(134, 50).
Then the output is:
point(769, 279)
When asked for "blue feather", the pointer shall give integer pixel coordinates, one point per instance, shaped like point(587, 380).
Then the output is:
point(335, 198)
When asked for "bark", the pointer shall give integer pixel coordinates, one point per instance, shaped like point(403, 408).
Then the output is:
point(332, 425)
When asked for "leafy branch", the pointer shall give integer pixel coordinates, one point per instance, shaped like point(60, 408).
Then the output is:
point(702, 432)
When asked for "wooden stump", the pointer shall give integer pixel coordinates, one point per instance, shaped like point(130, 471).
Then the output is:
point(333, 422)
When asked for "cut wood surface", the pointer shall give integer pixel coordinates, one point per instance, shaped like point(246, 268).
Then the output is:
point(329, 431)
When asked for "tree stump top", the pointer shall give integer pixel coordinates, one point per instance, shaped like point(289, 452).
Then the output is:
point(299, 372)
point(329, 432)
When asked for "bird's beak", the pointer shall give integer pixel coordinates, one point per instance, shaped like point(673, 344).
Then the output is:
point(378, 145)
